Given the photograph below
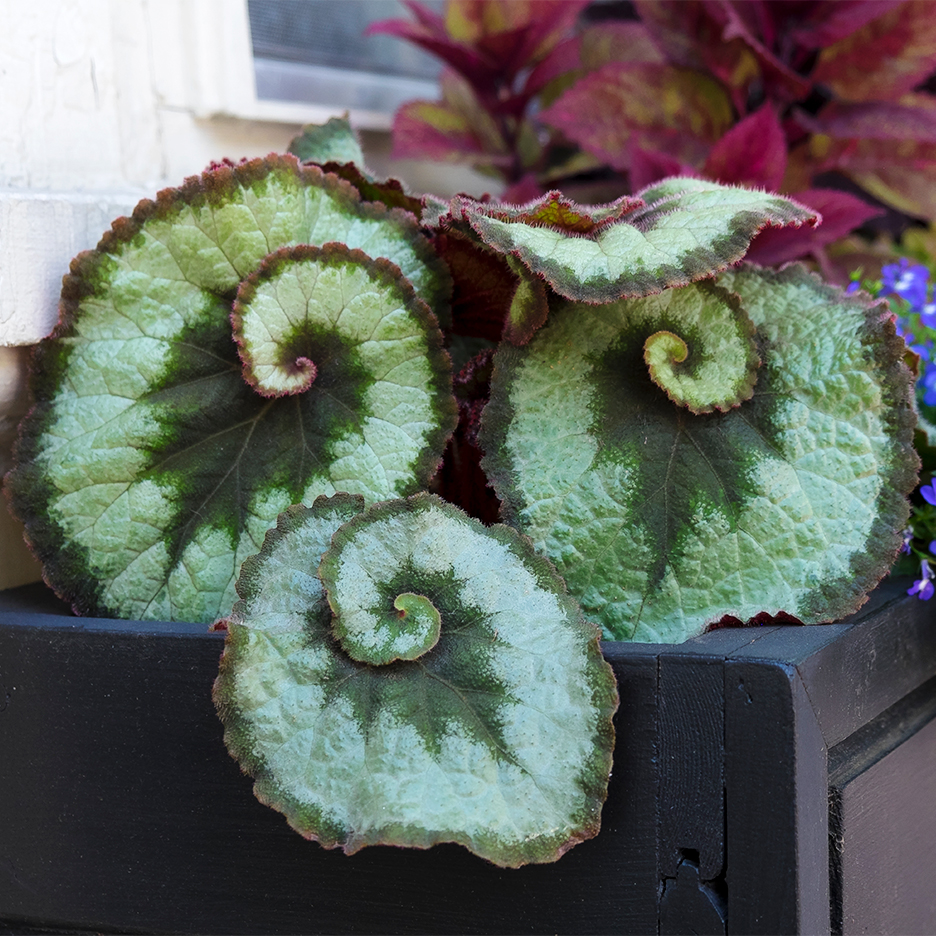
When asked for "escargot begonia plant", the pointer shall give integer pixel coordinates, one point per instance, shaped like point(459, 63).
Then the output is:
point(250, 391)
point(690, 442)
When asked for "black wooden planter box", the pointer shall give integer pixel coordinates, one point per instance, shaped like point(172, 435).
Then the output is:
point(766, 780)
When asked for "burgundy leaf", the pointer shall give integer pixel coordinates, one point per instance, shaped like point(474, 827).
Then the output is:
point(562, 60)
point(616, 41)
point(457, 55)
point(648, 166)
point(426, 16)
point(912, 119)
point(753, 152)
point(526, 189)
point(672, 109)
point(484, 287)
point(828, 23)
point(681, 29)
point(516, 34)
point(841, 213)
point(779, 77)
point(885, 58)
point(431, 130)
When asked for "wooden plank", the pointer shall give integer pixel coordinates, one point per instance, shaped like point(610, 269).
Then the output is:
point(692, 787)
point(886, 654)
point(776, 802)
point(882, 782)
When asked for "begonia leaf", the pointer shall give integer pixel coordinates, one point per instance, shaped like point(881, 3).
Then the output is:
point(333, 141)
point(483, 286)
point(686, 229)
point(529, 305)
point(885, 58)
point(495, 734)
point(149, 468)
point(389, 192)
point(662, 521)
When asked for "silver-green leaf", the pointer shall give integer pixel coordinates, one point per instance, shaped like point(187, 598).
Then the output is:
point(662, 521)
point(493, 731)
point(149, 468)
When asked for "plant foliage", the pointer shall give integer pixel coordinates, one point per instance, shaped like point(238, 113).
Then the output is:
point(150, 468)
point(750, 92)
point(663, 521)
point(434, 684)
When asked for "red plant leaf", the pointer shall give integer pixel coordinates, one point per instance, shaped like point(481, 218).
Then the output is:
point(885, 58)
point(841, 213)
point(753, 152)
point(779, 78)
point(914, 118)
point(721, 38)
point(828, 23)
point(457, 128)
point(649, 165)
point(561, 61)
point(551, 210)
point(432, 130)
point(681, 29)
point(457, 55)
point(484, 287)
point(618, 42)
point(526, 189)
point(516, 34)
point(672, 109)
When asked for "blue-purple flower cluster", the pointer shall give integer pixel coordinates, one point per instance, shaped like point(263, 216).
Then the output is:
point(917, 325)
point(915, 311)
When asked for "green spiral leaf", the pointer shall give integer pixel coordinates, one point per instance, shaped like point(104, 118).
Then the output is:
point(673, 233)
point(149, 469)
point(497, 734)
point(662, 521)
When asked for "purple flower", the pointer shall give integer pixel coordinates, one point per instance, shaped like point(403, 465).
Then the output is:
point(909, 282)
point(923, 587)
point(928, 314)
point(928, 492)
point(907, 539)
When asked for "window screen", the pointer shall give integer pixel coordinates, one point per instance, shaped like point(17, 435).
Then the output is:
point(316, 51)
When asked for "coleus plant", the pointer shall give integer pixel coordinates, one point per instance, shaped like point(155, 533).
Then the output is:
point(752, 92)
point(250, 374)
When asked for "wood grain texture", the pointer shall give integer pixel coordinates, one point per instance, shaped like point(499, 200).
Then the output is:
point(692, 783)
point(882, 782)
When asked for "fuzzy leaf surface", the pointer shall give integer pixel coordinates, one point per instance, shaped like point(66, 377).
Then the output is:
point(333, 141)
point(662, 521)
point(498, 737)
point(149, 468)
point(686, 229)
